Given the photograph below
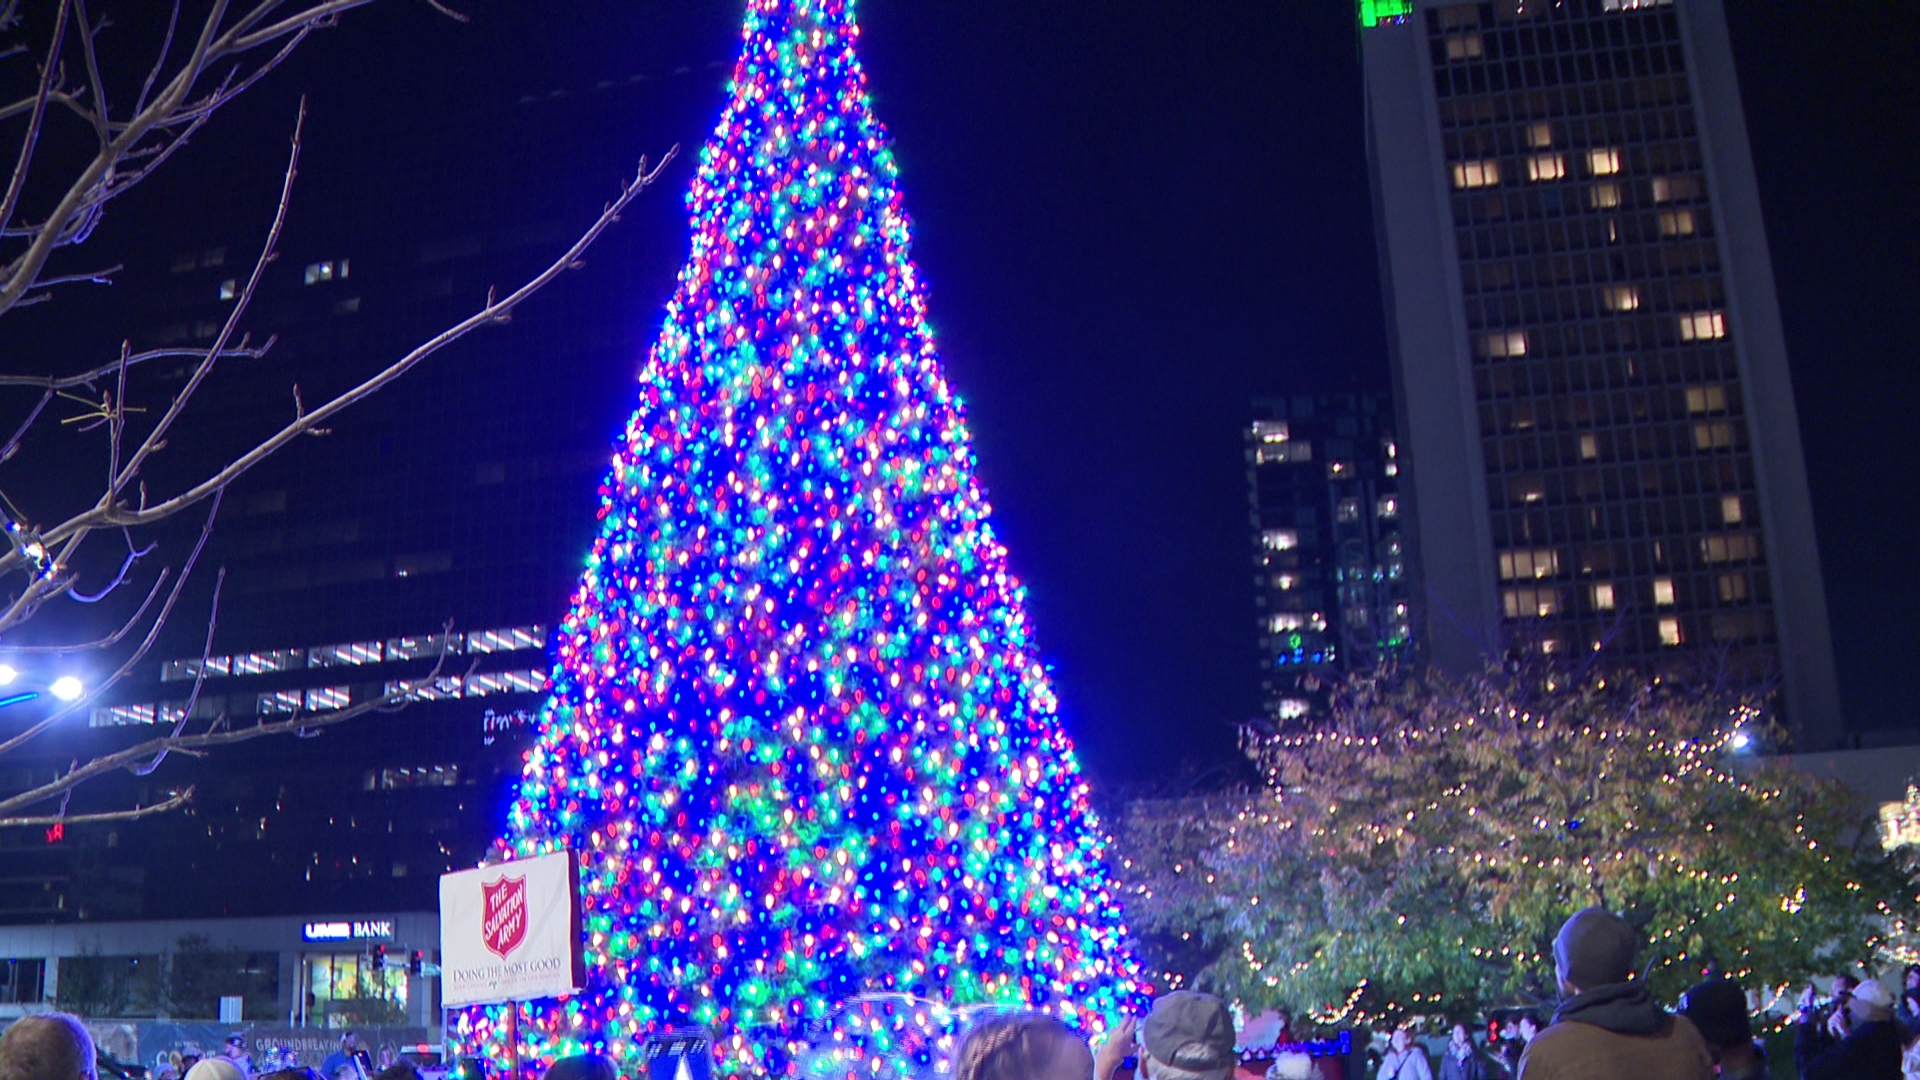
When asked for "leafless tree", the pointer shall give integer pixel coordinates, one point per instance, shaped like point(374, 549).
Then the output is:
point(200, 62)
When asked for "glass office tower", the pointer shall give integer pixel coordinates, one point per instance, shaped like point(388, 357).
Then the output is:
point(1600, 448)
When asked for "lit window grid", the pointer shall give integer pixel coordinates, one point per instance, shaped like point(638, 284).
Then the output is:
point(351, 654)
point(482, 684)
point(1502, 228)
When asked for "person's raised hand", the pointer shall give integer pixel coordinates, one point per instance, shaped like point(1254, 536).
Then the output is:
point(1113, 1050)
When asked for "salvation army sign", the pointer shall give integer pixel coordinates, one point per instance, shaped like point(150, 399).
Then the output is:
point(504, 925)
point(511, 932)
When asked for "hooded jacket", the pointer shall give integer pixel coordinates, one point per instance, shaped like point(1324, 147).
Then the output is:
point(1615, 1031)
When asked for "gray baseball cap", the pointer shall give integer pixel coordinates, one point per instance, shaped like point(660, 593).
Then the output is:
point(1198, 1024)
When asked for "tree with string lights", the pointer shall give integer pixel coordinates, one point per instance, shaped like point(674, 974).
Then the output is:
point(1416, 853)
point(799, 733)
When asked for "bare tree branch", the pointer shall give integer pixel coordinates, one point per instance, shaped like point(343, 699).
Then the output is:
point(216, 736)
point(91, 376)
point(87, 32)
point(173, 803)
point(146, 644)
point(20, 169)
point(494, 311)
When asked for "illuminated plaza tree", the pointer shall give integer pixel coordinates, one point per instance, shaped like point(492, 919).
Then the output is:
point(1416, 852)
point(799, 732)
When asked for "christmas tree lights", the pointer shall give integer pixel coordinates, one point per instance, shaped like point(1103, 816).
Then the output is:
point(798, 730)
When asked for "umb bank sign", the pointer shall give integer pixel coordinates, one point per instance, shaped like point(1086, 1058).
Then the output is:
point(511, 932)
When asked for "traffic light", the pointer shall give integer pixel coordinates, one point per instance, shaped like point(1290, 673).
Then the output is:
point(416, 963)
point(379, 958)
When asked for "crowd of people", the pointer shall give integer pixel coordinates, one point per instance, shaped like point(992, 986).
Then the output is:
point(1607, 1027)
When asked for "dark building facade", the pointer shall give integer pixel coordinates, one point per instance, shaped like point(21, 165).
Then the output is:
point(1600, 447)
point(445, 517)
point(1330, 566)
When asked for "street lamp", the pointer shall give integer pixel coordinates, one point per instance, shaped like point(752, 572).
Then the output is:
point(8, 674)
point(66, 688)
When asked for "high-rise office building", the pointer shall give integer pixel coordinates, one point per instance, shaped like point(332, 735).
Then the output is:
point(1330, 569)
point(1599, 443)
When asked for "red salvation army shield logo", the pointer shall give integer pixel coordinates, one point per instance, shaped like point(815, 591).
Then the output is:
point(504, 923)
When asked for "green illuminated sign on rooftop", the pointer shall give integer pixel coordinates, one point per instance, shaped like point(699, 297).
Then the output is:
point(1375, 12)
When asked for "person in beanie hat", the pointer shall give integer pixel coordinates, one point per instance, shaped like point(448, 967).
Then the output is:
point(1718, 1007)
point(1870, 1048)
point(1609, 1026)
point(1188, 1036)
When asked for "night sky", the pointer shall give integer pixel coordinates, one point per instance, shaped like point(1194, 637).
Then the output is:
point(1135, 217)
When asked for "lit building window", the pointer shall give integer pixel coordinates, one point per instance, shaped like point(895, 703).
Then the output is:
point(1676, 223)
point(1703, 326)
point(1603, 596)
point(445, 688)
point(505, 682)
point(424, 776)
point(1620, 297)
point(261, 663)
point(1528, 489)
point(326, 699)
point(351, 654)
point(120, 715)
point(1713, 435)
point(1294, 708)
point(1465, 47)
point(327, 271)
point(179, 670)
point(1675, 188)
point(1729, 547)
point(1347, 511)
point(228, 289)
point(1280, 539)
point(1707, 399)
point(1604, 161)
point(1604, 196)
point(1732, 512)
point(1663, 594)
point(1277, 453)
point(1632, 5)
point(1503, 343)
point(1732, 587)
point(421, 646)
point(1271, 431)
point(1286, 582)
point(1476, 174)
point(1388, 507)
point(1547, 167)
point(1530, 603)
point(1529, 563)
point(1589, 448)
point(1669, 631)
point(1338, 469)
point(281, 702)
point(1540, 135)
point(512, 639)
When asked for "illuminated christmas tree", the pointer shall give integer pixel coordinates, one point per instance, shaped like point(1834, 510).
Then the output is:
point(798, 729)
